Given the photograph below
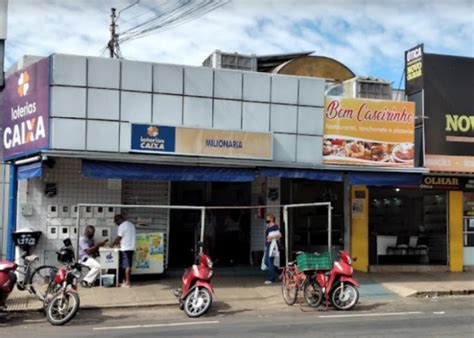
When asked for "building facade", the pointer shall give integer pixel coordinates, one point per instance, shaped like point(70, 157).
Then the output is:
point(94, 130)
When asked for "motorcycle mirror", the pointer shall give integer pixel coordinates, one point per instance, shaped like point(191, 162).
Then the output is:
point(67, 242)
point(354, 259)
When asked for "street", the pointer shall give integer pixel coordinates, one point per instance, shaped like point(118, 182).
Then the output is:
point(405, 317)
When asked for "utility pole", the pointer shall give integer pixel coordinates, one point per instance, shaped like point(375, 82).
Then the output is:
point(113, 43)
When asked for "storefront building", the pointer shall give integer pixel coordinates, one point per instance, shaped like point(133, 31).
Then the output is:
point(95, 130)
point(442, 87)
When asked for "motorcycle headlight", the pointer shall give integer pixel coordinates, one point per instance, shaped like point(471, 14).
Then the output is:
point(210, 264)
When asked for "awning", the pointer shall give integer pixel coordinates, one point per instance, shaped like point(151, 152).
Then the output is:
point(308, 174)
point(30, 170)
point(140, 171)
point(384, 179)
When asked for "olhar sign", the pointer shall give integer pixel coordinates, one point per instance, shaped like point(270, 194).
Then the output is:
point(369, 132)
point(25, 111)
point(203, 142)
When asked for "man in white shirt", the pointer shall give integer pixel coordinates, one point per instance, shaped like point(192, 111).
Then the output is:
point(88, 251)
point(126, 238)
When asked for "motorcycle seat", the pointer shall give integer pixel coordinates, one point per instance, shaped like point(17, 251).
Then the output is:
point(31, 259)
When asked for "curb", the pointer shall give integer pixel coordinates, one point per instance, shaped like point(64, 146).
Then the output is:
point(111, 306)
point(429, 294)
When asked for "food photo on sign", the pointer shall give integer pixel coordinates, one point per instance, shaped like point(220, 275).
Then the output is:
point(369, 132)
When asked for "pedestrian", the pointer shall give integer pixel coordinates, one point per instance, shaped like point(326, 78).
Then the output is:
point(88, 252)
point(272, 255)
point(126, 239)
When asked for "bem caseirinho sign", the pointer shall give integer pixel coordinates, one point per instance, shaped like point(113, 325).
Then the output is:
point(148, 138)
point(25, 111)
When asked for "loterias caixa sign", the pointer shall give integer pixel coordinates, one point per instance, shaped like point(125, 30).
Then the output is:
point(25, 111)
point(147, 138)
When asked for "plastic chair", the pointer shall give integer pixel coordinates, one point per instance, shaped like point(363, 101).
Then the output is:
point(401, 247)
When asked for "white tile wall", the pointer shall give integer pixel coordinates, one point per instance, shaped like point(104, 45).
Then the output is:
point(197, 112)
point(136, 107)
point(102, 136)
point(309, 149)
point(311, 92)
point(227, 84)
point(256, 87)
point(284, 118)
point(68, 102)
point(227, 114)
point(284, 89)
point(68, 70)
point(168, 79)
point(136, 76)
point(103, 104)
point(72, 188)
point(310, 120)
point(198, 81)
point(125, 137)
point(284, 147)
point(68, 134)
point(103, 72)
point(256, 116)
point(167, 109)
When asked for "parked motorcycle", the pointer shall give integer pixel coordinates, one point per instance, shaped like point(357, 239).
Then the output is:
point(336, 285)
point(195, 296)
point(62, 301)
point(7, 280)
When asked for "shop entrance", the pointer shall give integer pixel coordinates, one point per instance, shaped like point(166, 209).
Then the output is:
point(309, 226)
point(407, 226)
point(227, 231)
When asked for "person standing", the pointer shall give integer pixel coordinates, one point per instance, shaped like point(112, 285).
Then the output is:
point(88, 251)
point(272, 235)
point(126, 239)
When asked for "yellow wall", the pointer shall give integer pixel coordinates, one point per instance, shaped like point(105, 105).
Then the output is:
point(456, 258)
point(360, 229)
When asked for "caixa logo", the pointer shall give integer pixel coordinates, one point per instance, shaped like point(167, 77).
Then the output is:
point(30, 127)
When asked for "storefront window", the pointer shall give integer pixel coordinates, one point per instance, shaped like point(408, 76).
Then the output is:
point(469, 219)
point(408, 226)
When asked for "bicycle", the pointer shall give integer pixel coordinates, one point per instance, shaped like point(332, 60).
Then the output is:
point(293, 281)
point(38, 281)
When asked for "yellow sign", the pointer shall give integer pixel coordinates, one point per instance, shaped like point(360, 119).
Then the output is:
point(222, 143)
point(369, 132)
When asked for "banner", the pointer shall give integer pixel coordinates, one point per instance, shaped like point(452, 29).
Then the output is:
point(25, 111)
point(449, 124)
point(368, 132)
point(414, 70)
point(203, 142)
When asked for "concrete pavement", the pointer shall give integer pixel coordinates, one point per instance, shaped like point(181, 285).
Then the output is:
point(250, 290)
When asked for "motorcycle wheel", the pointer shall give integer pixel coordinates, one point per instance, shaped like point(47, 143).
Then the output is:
point(197, 306)
point(344, 299)
point(289, 290)
point(62, 308)
point(313, 293)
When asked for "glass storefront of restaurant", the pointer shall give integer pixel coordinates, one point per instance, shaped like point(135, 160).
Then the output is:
point(408, 226)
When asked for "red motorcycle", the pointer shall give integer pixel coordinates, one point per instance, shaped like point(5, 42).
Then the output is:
point(7, 280)
point(195, 296)
point(336, 285)
point(62, 301)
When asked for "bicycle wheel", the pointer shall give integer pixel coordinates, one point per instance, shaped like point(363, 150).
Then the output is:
point(289, 289)
point(313, 293)
point(40, 280)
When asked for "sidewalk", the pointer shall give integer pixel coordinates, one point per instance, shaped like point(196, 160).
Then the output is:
point(249, 291)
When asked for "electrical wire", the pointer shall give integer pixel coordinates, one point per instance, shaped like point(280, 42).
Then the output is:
point(168, 15)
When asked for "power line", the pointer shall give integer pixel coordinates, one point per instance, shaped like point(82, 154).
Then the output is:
point(167, 15)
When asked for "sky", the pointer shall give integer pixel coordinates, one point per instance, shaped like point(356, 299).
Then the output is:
point(368, 36)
